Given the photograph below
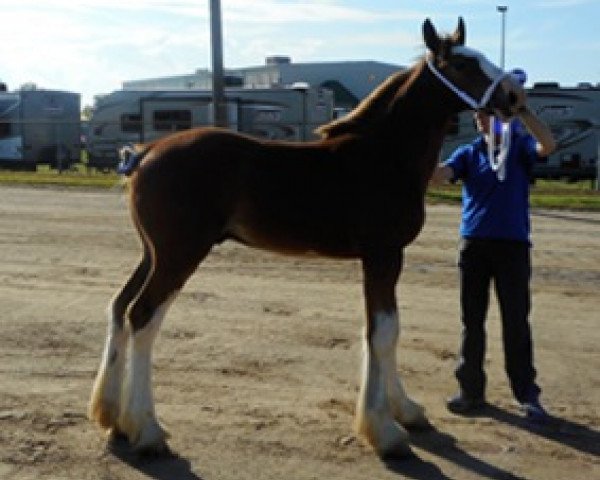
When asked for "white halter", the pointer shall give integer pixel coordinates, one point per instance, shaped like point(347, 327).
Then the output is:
point(497, 163)
point(464, 96)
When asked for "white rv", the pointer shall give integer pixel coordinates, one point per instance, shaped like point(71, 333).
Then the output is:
point(573, 115)
point(137, 116)
point(39, 126)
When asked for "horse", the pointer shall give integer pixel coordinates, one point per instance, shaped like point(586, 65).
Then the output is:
point(357, 192)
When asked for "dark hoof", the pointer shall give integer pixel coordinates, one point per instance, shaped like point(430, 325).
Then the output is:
point(117, 442)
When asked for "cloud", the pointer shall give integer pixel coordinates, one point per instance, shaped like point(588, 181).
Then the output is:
point(80, 47)
point(91, 47)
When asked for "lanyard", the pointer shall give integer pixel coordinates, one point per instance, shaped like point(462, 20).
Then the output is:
point(498, 161)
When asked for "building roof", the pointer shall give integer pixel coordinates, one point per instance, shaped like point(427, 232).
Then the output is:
point(351, 81)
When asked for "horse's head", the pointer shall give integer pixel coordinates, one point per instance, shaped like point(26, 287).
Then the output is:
point(473, 78)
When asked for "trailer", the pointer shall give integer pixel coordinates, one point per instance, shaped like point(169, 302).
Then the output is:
point(139, 116)
point(573, 115)
point(39, 127)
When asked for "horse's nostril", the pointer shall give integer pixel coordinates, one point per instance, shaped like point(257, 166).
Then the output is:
point(513, 98)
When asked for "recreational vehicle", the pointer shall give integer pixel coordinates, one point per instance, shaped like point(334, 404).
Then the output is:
point(573, 115)
point(134, 116)
point(39, 127)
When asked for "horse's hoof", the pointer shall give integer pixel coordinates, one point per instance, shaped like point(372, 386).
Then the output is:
point(116, 436)
point(388, 438)
point(105, 414)
point(116, 441)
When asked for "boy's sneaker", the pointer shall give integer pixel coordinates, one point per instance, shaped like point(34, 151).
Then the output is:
point(534, 411)
point(462, 403)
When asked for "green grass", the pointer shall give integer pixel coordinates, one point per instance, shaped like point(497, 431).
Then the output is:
point(77, 177)
point(544, 194)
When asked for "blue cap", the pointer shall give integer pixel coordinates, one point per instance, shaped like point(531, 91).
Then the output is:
point(519, 75)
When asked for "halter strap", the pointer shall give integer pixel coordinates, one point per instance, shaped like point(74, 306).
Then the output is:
point(464, 96)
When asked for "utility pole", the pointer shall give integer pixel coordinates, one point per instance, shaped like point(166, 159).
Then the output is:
point(218, 81)
point(502, 9)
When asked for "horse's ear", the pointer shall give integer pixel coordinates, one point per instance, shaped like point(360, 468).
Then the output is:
point(459, 36)
point(432, 40)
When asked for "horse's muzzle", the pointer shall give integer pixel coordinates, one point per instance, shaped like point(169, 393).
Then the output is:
point(508, 98)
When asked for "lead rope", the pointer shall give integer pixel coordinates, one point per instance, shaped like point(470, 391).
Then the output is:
point(498, 159)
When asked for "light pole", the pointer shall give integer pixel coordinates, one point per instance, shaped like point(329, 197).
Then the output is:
point(219, 105)
point(502, 9)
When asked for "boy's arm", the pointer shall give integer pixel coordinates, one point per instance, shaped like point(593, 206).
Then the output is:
point(539, 130)
point(441, 174)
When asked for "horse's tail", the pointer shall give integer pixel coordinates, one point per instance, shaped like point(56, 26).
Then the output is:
point(131, 156)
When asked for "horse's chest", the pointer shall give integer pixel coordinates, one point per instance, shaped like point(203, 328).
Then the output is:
point(394, 214)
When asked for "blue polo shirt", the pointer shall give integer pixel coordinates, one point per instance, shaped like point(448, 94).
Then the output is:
point(494, 209)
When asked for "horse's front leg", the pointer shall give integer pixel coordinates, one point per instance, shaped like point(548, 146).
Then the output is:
point(383, 404)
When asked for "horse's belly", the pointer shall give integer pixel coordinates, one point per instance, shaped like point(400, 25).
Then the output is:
point(289, 239)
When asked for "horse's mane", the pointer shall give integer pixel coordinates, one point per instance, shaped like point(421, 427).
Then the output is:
point(373, 107)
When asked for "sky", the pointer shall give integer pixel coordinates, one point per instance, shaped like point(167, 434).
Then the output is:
point(92, 46)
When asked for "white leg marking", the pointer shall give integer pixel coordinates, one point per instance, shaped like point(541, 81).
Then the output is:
point(404, 410)
point(374, 415)
point(104, 405)
point(138, 417)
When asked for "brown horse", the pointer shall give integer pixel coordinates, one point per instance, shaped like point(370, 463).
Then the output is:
point(356, 193)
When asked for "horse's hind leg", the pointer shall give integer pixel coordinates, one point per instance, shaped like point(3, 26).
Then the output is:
point(104, 407)
point(383, 405)
point(138, 418)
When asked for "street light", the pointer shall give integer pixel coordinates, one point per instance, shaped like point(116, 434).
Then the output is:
point(502, 9)
point(218, 83)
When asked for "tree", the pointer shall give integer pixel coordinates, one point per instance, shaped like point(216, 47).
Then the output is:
point(28, 86)
point(86, 112)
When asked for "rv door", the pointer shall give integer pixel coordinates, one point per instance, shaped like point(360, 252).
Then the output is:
point(11, 136)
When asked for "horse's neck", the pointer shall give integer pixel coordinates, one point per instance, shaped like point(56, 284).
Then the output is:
point(418, 124)
point(425, 104)
point(406, 115)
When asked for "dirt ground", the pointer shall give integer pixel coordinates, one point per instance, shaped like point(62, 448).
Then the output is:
point(256, 367)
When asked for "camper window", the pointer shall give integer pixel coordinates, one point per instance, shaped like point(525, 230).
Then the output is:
point(4, 128)
point(131, 123)
point(172, 120)
point(453, 126)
